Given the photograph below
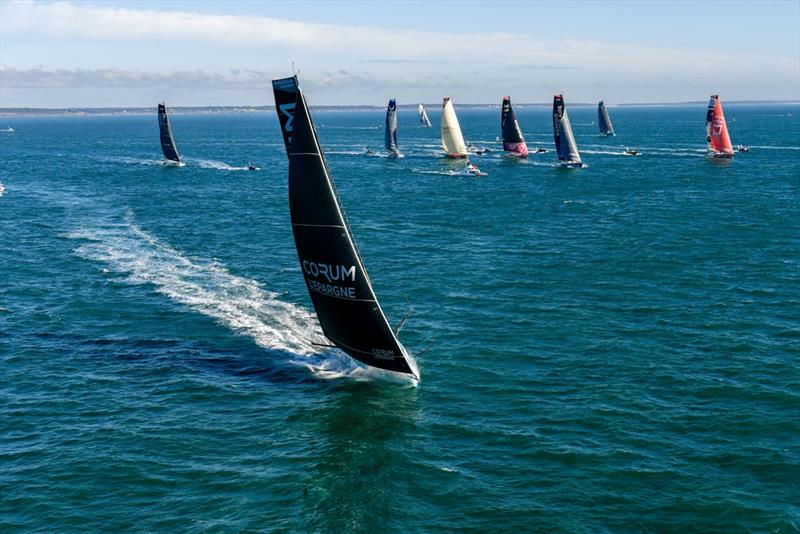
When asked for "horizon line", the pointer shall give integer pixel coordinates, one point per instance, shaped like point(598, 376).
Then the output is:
point(22, 110)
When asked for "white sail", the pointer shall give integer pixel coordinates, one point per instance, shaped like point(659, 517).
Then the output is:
point(423, 117)
point(452, 139)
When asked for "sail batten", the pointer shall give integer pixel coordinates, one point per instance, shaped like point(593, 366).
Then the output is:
point(165, 131)
point(603, 120)
point(390, 141)
point(562, 132)
point(452, 138)
point(513, 141)
point(719, 141)
point(337, 282)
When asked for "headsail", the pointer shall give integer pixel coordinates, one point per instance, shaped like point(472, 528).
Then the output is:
point(167, 141)
point(423, 117)
point(562, 131)
point(337, 282)
point(603, 120)
point(452, 139)
point(391, 128)
point(512, 135)
point(719, 142)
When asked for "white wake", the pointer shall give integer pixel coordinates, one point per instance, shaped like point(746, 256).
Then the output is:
point(209, 288)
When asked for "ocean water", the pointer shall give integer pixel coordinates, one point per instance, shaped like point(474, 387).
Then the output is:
point(612, 349)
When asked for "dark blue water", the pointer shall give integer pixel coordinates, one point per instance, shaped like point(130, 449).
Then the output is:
point(613, 349)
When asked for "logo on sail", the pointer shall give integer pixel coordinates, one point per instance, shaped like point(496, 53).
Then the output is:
point(288, 110)
point(334, 275)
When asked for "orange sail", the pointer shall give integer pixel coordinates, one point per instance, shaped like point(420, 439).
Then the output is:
point(719, 142)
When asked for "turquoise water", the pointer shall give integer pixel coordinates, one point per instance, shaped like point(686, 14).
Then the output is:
point(614, 349)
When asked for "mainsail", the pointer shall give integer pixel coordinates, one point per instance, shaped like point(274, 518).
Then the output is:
point(562, 131)
point(167, 141)
point(423, 117)
point(391, 128)
point(512, 135)
point(340, 289)
point(603, 120)
point(719, 142)
point(452, 139)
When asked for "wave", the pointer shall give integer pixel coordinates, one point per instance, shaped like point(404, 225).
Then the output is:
point(129, 161)
point(2, 189)
point(209, 288)
point(350, 127)
point(217, 165)
point(767, 147)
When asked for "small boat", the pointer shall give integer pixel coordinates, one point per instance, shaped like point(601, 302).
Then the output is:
point(472, 149)
point(423, 117)
point(253, 167)
point(513, 142)
point(604, 121)
point(564, 139)
point(473, 169)
point(349, 313)
point(631, 152)
point(167, 140)
point(390, 141)
point(540, 150)
point(742, 148)
point(719, 142)
point(452, 138)
point(368, 151)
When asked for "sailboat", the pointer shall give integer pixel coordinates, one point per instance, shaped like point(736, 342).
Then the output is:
point(341, 292)
point(562, 132)
point(513, 141)
point(423, 117)
point(452, 139)
point(167, 141)
point(603, 120)
point(719, 142)
point(390, 141)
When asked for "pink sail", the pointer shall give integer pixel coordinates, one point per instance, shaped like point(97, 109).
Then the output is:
point(719, 142)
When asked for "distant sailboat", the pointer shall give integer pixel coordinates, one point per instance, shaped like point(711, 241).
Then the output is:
point(603, 120)
point(562, 132)
point(423, 117)
point(719, 142)
point(452, 138)
point(348, 311)
point(167, 141)
point(391, 129)
point(512, 135)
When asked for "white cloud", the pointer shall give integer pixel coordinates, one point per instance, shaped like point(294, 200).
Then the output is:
point(112, 47)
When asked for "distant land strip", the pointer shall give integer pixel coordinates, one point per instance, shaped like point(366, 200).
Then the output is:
point(270, 108)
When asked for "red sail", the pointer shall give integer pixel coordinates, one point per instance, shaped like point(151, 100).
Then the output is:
point(719, 141)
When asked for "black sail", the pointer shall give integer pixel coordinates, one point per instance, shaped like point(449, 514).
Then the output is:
point(391, 128)
point(508, 123)
point(337, 282)
point(167, 141)
point(603, 120)
point(562, 133)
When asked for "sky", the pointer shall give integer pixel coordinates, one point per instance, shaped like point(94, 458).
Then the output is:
point(202, 52)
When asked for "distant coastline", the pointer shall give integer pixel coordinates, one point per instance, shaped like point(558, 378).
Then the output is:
point(269, 108)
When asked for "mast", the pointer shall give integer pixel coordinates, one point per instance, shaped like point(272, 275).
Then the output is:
point(603, 120)
point(512, 134)
point(452, 138)
point(562, 132)
point(719, 141)
point(167, 141)
point(390, 141)
point(423, 117)
point(337, 282)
